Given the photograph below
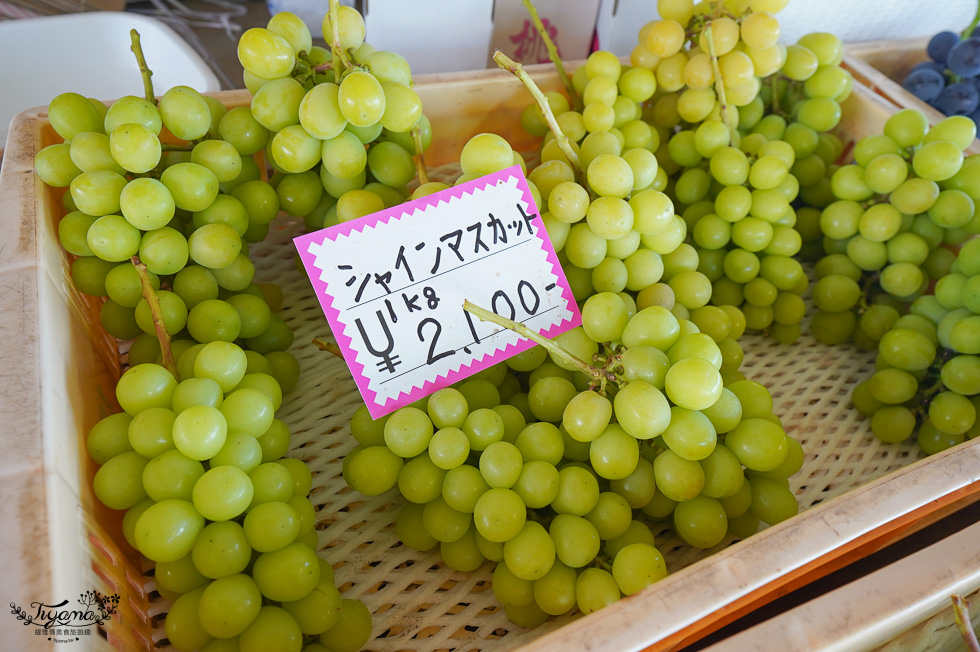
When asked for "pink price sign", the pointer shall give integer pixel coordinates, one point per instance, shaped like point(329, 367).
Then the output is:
point(392, 286)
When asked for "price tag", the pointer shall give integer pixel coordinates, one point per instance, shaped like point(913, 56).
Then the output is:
point(392, 286)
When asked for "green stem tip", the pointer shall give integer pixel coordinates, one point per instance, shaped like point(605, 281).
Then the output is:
point(525, 332)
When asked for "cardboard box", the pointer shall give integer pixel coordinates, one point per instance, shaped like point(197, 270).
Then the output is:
point(570, 23)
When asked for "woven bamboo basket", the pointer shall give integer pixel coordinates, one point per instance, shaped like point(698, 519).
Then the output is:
point(855, 493)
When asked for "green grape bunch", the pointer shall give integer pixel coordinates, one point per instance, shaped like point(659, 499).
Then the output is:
point(341, 126)
point(899, 211)
point(557, 469)
point(927, 378)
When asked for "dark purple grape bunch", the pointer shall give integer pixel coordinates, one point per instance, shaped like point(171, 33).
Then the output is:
point(948, 80)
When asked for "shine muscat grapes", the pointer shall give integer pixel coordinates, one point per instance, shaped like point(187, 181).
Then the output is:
point(338, 121)
point(899, 212)
point(554, 473)
point(743, 124)
point(162, 198)
point(927, 378)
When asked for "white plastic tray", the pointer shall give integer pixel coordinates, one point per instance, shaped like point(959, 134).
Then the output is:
point(89, 53)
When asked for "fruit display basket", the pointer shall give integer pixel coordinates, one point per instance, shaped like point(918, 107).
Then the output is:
point(856, 494)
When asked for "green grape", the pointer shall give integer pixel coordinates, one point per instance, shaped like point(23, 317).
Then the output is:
point(403, 108)
point(55, 167)
point(952, 413)
point(537, 484)
point(183, 625)
point(350, 27)
point(273, 628)
point(637, 566)
point(222, 493)
point(586, 416)
point(701, 522)
point(212, 320)
point(259, 199)
point(221, 550)
point(835, 293)
point(693, 383)
point(611, 516)
point(893, 386)
point(893, 424)
point(277, 104)
point(642, 409)
point(677, 478)
point(690, 434)
point(220, 157)
point(759, 444)
point(463, 554)
point(243, 131)
point(192, 186)
point(915, 195)
point(576, 540)
point(614, 454)
point(185, 113)
point(499, 514)
point(531, 553)
point(906, 349)
point(373, 470)
point(118, 482)
point(286, 574)
point(420, 481)
point(294, 150)
point(71, 114)
point(97, 193)
point(595, 588)
point(509, 589)
point(723, 477)
point(144, 386)
point(410, 529)
point(961, 374)
point(772, 502)
point(132, 110)
point(540, 441)
point(109, 437)
point(937, 160)
point(931, 440)
point(389, 66)
point(265, 54)
point(554, 593)
point(166, 531)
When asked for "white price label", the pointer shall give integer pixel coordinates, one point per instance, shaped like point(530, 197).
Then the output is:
point(392, 286)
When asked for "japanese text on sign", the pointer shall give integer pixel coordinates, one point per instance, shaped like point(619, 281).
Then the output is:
point(392, 285)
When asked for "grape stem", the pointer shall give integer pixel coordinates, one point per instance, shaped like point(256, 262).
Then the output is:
point(976, 21)
point(419, 155)
point(329, 347)
point(553, 54)
point(552, 347)
point(145, 71)
point(774, 84)
point(719, 84)
point(505, 62)
point(338, 52)
point(961, 613)
point(169, 363)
